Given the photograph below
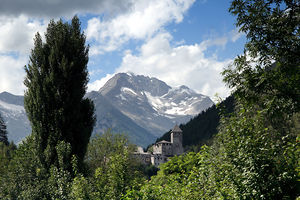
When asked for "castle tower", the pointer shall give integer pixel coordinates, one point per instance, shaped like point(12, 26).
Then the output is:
point(176, 140)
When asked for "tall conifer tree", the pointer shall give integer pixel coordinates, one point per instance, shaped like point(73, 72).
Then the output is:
point(3, 132)
point(56, 80)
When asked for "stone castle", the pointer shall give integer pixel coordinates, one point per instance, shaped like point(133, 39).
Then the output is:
point(163, 150)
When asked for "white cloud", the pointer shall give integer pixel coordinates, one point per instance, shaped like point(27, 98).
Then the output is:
point(144, 20)
point(95, 72)
point(96, 85)
point(12, 74)
point(19, 22)
point(235, 35)
point(179, 65)
point(17, 34)
point(16, 41)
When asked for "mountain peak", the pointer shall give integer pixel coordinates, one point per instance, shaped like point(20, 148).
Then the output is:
point(141, 106)
point(151, 103)
point(184, 87)
point(137, 83)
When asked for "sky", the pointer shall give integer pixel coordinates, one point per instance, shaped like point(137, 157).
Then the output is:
point(181, 42)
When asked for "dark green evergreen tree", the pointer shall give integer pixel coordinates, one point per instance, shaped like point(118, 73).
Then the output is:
point(56, 80)
point(3, 132)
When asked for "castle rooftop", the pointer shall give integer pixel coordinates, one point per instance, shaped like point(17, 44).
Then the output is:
point(163, 141)
point(176, 129)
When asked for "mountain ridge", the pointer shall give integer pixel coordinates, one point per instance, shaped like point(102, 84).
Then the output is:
point(151, 103)
point(140, 106)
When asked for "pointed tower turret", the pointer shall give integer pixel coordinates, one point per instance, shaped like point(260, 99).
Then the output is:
point(176, 140)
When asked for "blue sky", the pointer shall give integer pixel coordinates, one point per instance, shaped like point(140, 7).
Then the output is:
point(182, 42)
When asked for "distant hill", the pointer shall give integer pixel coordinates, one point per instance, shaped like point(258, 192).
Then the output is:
point(200, 129)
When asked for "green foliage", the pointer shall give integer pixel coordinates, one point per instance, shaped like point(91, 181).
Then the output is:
point(149, 170)
point(56, 83)
point(25, 176)
point(116, 170)
point(113, 170)
point(268, 74)
point(59, 183)
point(255, 155)
point(119, 177)
point(190, 176)
point(81, 189)
point(248, 160)
point(6, 154)
point(102, 147)
point(3, 132)
point(263, 161)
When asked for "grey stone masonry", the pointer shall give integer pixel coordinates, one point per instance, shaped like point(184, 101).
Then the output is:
point(176, 140)
point(162, 150)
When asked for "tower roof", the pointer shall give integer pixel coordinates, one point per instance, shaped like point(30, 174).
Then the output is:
point(163, 142)
point(176, 129)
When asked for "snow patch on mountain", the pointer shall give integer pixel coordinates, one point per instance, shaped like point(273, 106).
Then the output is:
point(14, 115)
point(11, 111)
point(177, 101)
point(12, 107)
point(128, 91)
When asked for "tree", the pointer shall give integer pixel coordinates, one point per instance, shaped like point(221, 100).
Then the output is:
point(268, 74)
point(102, 147)
point(113, 169)
point(25, 177)
point(270, 67)
point(262, 162)
point(259, 140)
point(56, 80)
point(3, 132)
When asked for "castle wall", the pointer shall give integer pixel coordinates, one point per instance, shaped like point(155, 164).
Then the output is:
point(144, 158)
point(157, 159)
point(176, 139)
point(162, 150)
point(157, 148)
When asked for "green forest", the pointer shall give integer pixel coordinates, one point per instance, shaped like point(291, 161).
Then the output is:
point(246, 148)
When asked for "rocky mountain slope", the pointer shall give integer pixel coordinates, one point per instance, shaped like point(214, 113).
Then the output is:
point(151, 103)
point(13, 112)
point(139, 106)
point(109, 117)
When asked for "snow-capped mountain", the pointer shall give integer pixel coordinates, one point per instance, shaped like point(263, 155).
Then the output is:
point(142, 107)
point(151, 103)
point(13, 112)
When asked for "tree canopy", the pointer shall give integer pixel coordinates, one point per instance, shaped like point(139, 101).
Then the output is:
point(56, 80)
point(270, 67)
